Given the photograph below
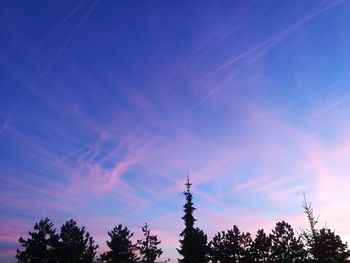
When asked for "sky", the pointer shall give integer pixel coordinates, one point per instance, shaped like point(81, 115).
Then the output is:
point(106, 106)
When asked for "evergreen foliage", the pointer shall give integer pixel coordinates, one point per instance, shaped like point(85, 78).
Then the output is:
point(261, 247)
point(323, 245)
point(76, 245)
point(285, 247)
point(148, 246)
point(246, 244)
point(42, 245)
point(218, 248)
point(328, 247)
point(231, 246)
point(193, 245)
point(121, 248)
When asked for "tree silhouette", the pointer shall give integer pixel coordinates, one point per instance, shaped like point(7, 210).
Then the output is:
point(218, 248)
point(261, 247)
point(231, 246)
point(42, 245)
point(200, 250)
point(193, 245)
point(121, 248)
point(76, 245)
point(329, 247)
point(246, 245)
point(286, 248)
point(323, 245)
point(148, 246)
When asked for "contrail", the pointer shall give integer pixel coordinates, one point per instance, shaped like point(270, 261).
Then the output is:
point(65, 44)
point(269, 42)
point(68, 39)
point(4, 125)
point(50, 34)
point(62, 159)
point(80, 149)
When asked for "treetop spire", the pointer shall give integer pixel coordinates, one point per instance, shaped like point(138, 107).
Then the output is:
point(188, 183)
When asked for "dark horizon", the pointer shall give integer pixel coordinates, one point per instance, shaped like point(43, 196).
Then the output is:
point(74, 243)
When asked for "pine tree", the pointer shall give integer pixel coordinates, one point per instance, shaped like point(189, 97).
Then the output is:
point(231, 246)
point(261, 247)
point(218, 247)
point(193, 245)
point(323, 244)
point(286, 248)
point(148, 246)
point(42, 245)
point(76, 245)
point(121, 248)
point(330, 247)
point(246, 245)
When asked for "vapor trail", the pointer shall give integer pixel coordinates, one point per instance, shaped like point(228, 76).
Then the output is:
point(68, 40)
point(31, 88)
point(50, 34)
point(269, 42)
point(62, 159)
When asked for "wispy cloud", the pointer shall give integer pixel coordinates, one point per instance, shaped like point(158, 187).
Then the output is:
point(111, 142)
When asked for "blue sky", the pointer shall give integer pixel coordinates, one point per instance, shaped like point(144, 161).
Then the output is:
point(106, 105)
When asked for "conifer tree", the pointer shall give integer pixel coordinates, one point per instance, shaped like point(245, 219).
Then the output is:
point(42, 245)
point(148, 246)
point(330, 248)
point(76, 245)
point(246, 245)
point(218, 247)
point(323, 244)
point(201, 250)
point(121, 248)
point(286, 248)
point(193, 245)
point(261, 247)
point(233, 248)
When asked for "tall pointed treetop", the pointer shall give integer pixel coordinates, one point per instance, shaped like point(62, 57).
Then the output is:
point(193, 242)
point(188, 183)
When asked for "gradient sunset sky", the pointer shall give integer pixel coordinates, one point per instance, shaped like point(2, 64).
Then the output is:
point(106, 105)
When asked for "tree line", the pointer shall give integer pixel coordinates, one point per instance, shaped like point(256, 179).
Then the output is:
point(74, 244)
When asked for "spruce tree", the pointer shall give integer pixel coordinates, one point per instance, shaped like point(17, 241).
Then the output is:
point(76, 245)
point(193, 242)
point(148, 246)
point(42, 245)
point(201, 250)
point(121, 248)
